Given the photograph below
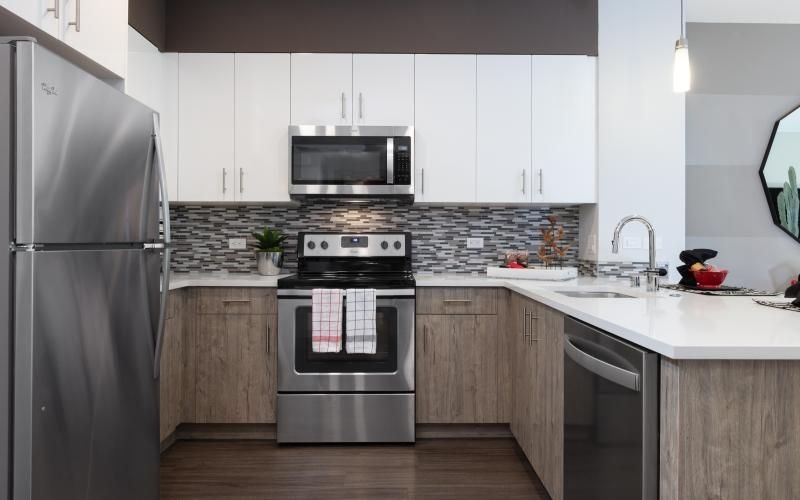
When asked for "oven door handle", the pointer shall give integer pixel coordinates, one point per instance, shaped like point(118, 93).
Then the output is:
point(399, 292)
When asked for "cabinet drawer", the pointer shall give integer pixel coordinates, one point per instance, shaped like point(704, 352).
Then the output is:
point(435, 300)
point(236, 301)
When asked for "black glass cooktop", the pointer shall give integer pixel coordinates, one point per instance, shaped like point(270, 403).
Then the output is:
point(348, 280)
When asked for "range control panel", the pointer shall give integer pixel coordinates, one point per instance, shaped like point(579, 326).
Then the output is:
point(354, 245)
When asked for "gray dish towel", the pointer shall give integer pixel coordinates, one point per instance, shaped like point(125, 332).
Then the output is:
point(362, 337)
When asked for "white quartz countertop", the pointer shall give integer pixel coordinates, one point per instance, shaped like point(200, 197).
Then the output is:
point(676, 325)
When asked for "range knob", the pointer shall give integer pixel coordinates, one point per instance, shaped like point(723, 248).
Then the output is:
point(311, 245)
point(324, 245)
point(397, 245)
point(384, 245)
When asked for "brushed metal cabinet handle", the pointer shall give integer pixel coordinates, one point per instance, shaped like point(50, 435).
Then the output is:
point(344, 103)
point(523, 181)
point(77, 21)
point(457, 301)
point(360, 106)
point(269, 338)
point(541, 181)
point(422, 180)
point(55, 9)
point(241, 180)
point(224, 180)
point(425, 339)
point(236, 301)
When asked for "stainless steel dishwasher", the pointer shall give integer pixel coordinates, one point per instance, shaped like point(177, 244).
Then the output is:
point(610, 417)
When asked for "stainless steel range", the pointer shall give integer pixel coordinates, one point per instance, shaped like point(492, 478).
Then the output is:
point(326, 397)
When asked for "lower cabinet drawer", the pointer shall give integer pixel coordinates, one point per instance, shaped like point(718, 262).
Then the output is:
point(461, 300)
point(237, 301)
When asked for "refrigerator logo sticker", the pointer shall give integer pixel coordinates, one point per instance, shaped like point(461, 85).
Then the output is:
point(49, 89)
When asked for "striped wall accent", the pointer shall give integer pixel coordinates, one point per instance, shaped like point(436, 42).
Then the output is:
point(201, 233)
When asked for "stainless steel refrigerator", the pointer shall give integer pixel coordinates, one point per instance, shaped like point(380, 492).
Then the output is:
point(81, 287)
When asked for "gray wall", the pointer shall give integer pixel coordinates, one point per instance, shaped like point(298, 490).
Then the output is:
point(745, 76)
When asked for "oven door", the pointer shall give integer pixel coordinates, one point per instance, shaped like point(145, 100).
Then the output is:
point(390, 369)
point(347, 161)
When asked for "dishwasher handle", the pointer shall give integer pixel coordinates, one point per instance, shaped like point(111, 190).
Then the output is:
point(626, 378)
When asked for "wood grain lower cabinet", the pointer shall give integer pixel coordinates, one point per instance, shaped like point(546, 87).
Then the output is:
point(235, 380)
point(171, 378)
point(456, 368)
point(538, 405)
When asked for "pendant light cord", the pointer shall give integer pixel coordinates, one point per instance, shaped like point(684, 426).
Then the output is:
point(683, 21)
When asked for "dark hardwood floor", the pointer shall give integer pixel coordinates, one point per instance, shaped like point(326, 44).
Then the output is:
point(433, 468)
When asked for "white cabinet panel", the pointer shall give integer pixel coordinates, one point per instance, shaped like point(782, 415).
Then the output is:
point(206, 135)
point(383, 89)
point(100, 30)
point(37, 13)
point(153, 80)
point(564, 129)
point(504, 129)
point(322, 88)
point(445, 127)
point(262, 123)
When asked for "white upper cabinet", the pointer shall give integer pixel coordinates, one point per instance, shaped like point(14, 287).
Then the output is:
point(322, 89)
point(383, 89)
point(262, 119)
point(153, 80)
point(97, 28)
point(206, 135)
point(504, 129)
point(445, 127)
point(564, 129)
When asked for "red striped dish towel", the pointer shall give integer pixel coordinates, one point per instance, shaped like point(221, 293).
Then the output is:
point(362, 336)
point(326, 320)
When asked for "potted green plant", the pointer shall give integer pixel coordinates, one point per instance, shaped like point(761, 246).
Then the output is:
point(269, 251)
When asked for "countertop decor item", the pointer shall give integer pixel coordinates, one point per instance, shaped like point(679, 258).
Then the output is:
point(269, 251)
point(710, 277)
point(694, 260)
point(722, 291)
point(779, 175)
point(533, 273)
point(793, 292)
point(787, 306)
point(551, 253)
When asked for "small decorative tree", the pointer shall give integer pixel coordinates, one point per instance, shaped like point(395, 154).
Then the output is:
point(551, 253)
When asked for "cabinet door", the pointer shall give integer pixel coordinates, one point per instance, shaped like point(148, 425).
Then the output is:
point(456, 368)
point(564, 129)
point(171, 379)
point(383, 89)
point(36, 12)
point(206, 134)
point(99, 29)
point(322, 89)
point(551, 393)
point(445, 127)
point(262, 123)
point(233, 379)
point(504, 129)
point(153, 80)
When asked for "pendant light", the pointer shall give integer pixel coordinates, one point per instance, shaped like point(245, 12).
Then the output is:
point(681, 70)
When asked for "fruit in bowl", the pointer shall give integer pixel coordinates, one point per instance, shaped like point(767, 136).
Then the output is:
point(710, 277)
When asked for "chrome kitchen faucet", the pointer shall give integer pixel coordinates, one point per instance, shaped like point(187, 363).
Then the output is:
point(652, 272)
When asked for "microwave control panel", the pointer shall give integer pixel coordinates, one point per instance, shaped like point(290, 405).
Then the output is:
point(402, 160)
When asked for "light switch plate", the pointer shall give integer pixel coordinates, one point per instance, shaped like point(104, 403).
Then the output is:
point(474, 242)
point(237, 243)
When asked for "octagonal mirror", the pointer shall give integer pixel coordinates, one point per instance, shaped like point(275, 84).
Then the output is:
point(779, 173)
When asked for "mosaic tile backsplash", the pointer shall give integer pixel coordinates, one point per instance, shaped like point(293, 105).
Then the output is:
point(201, 233)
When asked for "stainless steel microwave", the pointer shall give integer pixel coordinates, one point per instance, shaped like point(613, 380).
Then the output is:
point(351, 162)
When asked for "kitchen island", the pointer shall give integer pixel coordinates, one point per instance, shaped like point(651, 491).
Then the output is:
point(729, 375)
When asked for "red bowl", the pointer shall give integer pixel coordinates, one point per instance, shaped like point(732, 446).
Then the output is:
point(710, 279)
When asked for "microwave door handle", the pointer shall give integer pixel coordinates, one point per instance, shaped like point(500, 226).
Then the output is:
point(390, 160)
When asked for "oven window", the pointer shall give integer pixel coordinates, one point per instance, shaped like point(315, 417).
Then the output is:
point(383, 361)
point(339, 160)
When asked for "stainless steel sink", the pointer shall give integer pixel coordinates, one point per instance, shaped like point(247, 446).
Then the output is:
point(589, 294)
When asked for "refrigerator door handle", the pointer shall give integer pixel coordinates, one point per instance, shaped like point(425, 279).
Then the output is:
point(162, 181)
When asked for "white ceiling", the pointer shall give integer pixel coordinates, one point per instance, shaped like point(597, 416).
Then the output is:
point(743, 11)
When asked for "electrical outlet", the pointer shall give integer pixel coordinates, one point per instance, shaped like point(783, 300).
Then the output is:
point(632, 242)
point(474, 242)
point(237, 243)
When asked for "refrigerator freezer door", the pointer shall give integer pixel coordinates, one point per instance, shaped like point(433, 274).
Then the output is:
point(84, 167)
point(85, 402)
point(6, 87)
